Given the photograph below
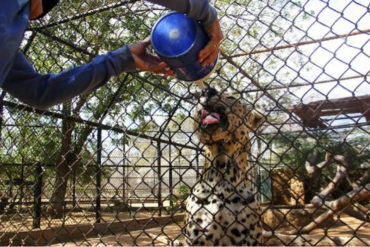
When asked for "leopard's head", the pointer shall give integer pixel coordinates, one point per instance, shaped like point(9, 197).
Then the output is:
point(224, 118)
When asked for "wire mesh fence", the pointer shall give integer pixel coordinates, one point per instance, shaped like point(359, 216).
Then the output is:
point(122, 165)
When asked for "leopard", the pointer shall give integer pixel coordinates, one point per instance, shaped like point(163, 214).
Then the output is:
point(223, 208)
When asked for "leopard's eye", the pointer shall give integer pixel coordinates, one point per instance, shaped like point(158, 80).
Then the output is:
point(231, 97)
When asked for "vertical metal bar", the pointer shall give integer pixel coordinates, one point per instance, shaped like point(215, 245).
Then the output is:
point(1, 119)
point(124, 170)
point(179, 165)
point(1, 112)
point(37, 192)
point(22, 186)
point(74, 189)
point(159, 196)
point(259, 178)
point(197, 162)
point(98, 177)
point(170, 169)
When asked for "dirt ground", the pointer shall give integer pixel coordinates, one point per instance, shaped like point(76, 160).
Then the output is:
point(346, 231)
point(140, 238)
point(19, 222)
point(357, 232)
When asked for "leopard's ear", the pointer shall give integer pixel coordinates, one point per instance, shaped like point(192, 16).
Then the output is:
point(256, 119)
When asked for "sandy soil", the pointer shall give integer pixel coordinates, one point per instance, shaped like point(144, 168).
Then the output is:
point(345, 231)
point(20, 222)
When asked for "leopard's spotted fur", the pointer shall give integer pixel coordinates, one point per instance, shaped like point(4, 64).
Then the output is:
point(223, 208)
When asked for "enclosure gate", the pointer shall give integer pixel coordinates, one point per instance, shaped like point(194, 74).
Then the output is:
point(114, 166)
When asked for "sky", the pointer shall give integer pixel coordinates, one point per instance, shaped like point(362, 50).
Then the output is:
point(338, 58)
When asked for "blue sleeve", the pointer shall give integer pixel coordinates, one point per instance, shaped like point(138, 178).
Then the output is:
point(199, 10)
point(44, 90)
point(13, 22)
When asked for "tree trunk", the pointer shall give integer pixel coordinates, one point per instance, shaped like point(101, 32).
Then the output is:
point(63, 171)
point(64, 165)
point(70, 152)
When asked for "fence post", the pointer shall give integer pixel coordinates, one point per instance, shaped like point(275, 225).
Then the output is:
point(1, 112)
point(98, 177)
point(74, 189)
point(170, 169)
point(37, 192)
point(21, 186)
point(124, 171)
point(197, 163)
point(159, 197)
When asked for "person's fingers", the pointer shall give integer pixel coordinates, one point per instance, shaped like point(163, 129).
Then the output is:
point(154, 61)
point(209, 54)
point(162, 68)
point(146, 42)
point(153, 66)
point(140, 46)
point(207, 51)
point(210, 59)
point(166, 71)
point(158, 67)
point(204, 53)
point(163, 65)
point(146, 61)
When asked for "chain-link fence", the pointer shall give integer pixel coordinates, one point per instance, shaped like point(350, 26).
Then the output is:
point(115, 166)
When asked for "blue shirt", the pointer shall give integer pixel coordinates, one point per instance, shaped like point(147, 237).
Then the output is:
point(19, 78)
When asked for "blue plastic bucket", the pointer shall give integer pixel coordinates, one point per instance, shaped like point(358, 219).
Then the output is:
point(177, 40)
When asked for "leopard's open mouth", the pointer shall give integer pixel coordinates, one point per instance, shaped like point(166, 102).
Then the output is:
point(211, 119)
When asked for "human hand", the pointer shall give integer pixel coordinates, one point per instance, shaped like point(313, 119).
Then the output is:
point(35, 9)
point(208, 55)
point(146, 61)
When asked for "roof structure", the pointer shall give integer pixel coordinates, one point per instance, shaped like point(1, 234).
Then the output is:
point(311, 113)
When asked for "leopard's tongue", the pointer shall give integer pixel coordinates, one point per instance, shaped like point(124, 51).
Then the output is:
point(210, 117)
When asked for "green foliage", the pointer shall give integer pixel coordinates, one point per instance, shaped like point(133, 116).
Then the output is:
point(96, 34)
point(177, 200)
point(292, 150)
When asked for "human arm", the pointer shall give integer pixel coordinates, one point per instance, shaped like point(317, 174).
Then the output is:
point(19, 78)
point(199, 10)
point(44, 90)
point(13, 22)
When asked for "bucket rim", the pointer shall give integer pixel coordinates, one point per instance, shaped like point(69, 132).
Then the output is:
point(200, 80)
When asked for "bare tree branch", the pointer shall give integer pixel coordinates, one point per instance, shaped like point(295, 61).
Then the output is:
point(357, 213)
point(279, 239)
point(340, 174)
point(362, 180)
point(312, 159)
point(357, 195)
